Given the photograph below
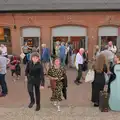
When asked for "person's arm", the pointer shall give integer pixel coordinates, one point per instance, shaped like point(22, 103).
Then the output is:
point(27, 69)
point(8, 61)
point(42, 76)
point(50, 75)
point(22, 49)
point(114, 49)
point(105, 69)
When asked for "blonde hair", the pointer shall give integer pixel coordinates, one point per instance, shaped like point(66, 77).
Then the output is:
point(101, 61)
point(43, 45)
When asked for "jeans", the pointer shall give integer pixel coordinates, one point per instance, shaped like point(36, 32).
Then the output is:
point(62, 59)
point(31, 88)
point(3, 84)
point(79, 73)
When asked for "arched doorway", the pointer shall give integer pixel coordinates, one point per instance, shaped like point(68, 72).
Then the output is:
point(77, 35)
point(106, 34)
point(31, 35)
point(5, 38)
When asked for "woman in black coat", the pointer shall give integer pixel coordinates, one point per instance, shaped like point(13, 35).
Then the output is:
point(35, 76)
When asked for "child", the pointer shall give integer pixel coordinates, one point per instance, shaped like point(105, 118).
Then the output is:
point(15, 67)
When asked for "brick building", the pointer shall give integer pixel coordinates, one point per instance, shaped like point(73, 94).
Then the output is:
point(83, 22)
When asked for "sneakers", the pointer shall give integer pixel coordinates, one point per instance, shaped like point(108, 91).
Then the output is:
point(58, 108)
point(2, 95)
point(55, 103)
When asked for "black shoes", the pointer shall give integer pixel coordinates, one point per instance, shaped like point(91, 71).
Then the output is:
point(37, 108)
point(96, 105)
point(31, 104)
point(77, 82)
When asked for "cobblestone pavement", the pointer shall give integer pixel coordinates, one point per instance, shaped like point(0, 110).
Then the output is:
point(67, 113)
point(76, 107)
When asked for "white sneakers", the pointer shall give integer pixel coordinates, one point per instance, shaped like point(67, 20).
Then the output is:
point(58, 107)
point(57, 104)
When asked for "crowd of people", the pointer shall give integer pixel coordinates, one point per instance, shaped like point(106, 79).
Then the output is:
point(42, 63)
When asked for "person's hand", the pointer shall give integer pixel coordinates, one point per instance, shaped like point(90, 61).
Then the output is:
point(56, 78)
point(106, 88)
point(26, 79)
point(41, 87)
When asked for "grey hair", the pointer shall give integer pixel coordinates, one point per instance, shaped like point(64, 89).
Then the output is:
point(35, 54)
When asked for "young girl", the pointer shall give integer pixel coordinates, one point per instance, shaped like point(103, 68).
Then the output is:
point(15, 67)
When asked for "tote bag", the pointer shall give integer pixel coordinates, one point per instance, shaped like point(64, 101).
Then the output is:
point(90, 76)
point(22, 55)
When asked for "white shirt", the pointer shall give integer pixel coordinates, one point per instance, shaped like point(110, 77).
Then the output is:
point(108, 54)
point(66, 50)
point(79, 60)
point(113, 49)
point(4, 50)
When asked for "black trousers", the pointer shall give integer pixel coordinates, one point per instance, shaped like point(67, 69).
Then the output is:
point(79, 73)
point(31, 89)
point(64, 92)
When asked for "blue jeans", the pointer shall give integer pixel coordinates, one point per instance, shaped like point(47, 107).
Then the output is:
point(3, 84)
point(62, 59)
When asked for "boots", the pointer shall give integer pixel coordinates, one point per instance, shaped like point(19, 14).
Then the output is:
point(37, 108)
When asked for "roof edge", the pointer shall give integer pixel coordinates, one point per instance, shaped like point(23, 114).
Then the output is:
point(64, 10)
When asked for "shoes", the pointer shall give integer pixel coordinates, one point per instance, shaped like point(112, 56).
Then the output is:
point(77, 82)
point(31, 104)
point(2, 95)
point(58, 107)
point(37, 108)
point(55, 103)
point(96, 105)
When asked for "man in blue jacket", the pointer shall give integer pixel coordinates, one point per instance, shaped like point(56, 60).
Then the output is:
point(45, 58)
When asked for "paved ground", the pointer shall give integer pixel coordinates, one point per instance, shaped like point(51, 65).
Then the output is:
point(77, 107)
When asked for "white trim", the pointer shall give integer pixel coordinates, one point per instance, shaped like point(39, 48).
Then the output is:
point(69, 31)
point(108, 31)
point(31, 32)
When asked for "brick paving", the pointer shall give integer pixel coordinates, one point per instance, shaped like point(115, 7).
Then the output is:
point(77, 107)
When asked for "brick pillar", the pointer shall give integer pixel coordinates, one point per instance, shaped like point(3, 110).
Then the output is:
point(15, 33)
point(92, 40)
point(46, 36)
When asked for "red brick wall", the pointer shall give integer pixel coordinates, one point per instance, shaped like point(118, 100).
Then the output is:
point(91, 20)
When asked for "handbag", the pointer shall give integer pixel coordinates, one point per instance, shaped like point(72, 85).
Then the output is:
point(12, 67)
point(22, 55)
point(90, 76)
point(53, 84)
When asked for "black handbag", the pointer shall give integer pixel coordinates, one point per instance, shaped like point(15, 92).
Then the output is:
point(65, 85)
point(103, 101)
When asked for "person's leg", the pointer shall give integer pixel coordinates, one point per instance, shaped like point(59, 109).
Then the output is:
point(64, 91)
point(37, 94)
point(31, 94)
point(79, 74)
point(3, 85)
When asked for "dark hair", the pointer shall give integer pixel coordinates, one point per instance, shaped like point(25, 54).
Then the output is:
point(55, 59)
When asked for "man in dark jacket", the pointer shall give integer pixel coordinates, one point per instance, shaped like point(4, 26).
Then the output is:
point(35, 76)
